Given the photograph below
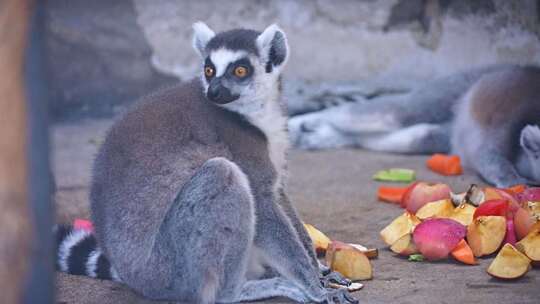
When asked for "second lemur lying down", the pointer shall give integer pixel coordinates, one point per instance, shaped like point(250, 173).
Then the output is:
point(489, 116)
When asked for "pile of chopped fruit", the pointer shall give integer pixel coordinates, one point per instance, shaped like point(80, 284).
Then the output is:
point(438, 223)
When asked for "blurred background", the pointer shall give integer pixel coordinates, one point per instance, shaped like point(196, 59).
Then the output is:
point(104, 54)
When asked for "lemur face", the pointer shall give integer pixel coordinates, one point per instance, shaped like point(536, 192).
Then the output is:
point(241, 67)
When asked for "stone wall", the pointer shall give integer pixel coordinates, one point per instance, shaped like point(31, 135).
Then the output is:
point(105, 53)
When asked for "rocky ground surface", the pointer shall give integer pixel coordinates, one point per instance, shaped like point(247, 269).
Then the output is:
point(332, 190)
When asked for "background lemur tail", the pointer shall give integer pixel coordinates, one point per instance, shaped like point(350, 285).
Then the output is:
point(77, 253)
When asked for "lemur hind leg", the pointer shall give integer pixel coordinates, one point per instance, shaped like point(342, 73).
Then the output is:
point(203, 243)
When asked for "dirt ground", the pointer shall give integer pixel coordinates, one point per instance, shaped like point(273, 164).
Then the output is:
point(332, 190)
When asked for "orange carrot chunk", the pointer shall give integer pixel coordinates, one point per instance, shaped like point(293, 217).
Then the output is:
point(517, 189)
point(445, 164)
point(391, 194)
point(463, 253)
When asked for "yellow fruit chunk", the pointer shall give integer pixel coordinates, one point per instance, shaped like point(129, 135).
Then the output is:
point(349, 261)
point(530, 245)
point(485, 234)
point(463, 214)
point(509, 263)
point(319, 239)
point(442, 208)
point(399, 227)
point(404, 246)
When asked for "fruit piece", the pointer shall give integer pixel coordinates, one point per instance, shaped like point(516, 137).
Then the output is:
point(369, 252)
point(530, 245)
point(517, 189)
point(81, 224)
point(421, 193)
point(442, 208)
point(404, 246)
point(435, 238)
point(474, 196)
point(510, 236)
point(445, 164)
point(524, 219)
point(485, 234)
point(495, 193)
point(509, 263)
point(463, 214)
point(391, 194)
point(319, 239)
point(395, 175)
point(531, 195)
point(349, 261)
point(492, 207)
point(463, 253)
point(416, 258)
point(399, 227)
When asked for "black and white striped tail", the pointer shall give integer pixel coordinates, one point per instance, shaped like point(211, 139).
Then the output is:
point(77, 253)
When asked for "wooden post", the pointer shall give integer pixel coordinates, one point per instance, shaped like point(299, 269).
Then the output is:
point(15, 228)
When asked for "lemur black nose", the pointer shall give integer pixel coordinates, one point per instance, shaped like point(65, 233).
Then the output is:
point(219, 93)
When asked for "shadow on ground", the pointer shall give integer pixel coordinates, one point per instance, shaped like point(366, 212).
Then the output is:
point(332, 190)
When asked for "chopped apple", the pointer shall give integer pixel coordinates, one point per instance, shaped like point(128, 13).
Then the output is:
point(509, 263)
point(485, 234)
point(530, 245)
point(404, 246)
point(526, 217)
point(492, 207)
point(369, 252)
point(442, 208)
point(399, 227)
point(496, 193)
point(436, 238)
point(463, 214)
point(349, 261)
point(319, 239)
point(421, 193)
point(531, 195)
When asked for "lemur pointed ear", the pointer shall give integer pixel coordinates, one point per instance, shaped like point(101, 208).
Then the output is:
point(201, 35)
point(273, 48)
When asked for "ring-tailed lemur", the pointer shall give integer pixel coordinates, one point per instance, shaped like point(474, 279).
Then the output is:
point(187, 195)
point(490, 117)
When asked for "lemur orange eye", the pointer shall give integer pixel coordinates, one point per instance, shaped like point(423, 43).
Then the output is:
point(208, 71)
point(240, 71)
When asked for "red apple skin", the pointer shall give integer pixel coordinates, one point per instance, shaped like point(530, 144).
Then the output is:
point(422, 193)
point(407, 194)
point(523, 222)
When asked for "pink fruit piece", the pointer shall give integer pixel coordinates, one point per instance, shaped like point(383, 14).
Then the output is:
point(81, 224)
point(436, 238)
point(530, 195)
point(510, 231)
point(421, 193)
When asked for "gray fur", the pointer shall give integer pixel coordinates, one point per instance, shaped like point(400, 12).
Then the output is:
point(186, 197)
point(436, 117)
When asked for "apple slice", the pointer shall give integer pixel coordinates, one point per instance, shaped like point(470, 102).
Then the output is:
point(485, 234)
point(436, 238)
point(369, 252)
point(530, 245)
point(349, 261)
point(319, 239)
point(492, 207)
point(525, 218)
point(399, 227)
point(442, 208)
point(509, 263)
point(404, 246)
point(421, 193)
point(463, 214)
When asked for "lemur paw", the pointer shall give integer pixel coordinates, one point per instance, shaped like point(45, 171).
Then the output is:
point(530, 140)
point(334, 277)
point(339, 296)
point(311, 131)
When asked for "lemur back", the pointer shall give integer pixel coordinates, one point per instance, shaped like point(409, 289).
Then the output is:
point(490, 116)
point(187, 195)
